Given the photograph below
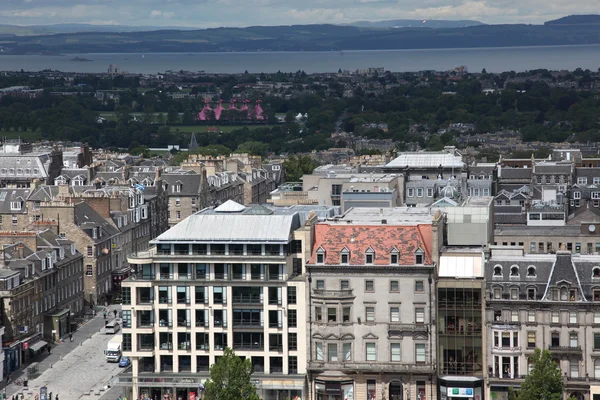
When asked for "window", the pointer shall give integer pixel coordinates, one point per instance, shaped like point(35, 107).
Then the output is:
point(514, 316)
point(573, 339)
point(347, 351)
point(15, 219)
point(394, 259)
point(596, 341)
point(346, 314)
point(394, 286)
point(15, 205)
point(291, 295)
point(395, 352)
point(574, 368)
point(596, 272)
point(369, 286)
point(371, 352)
point(572, 317)
point(410, 192)
point(394, 314)
point(420, 315)
point(332, 314)
point(419, 192)
point(89, 270)
point(497, 270)
point(429, 192)
point(531, 340)
point(555, 317)
point(90, 251)
point(320, 284)
point(420, 352)
point(582, 180)
point(344, 257)
point(514, 294)
point(345, 284)
point(419, 257)
point(419, 286)
point(531, 316)
point(596, 317)
point(292, 318)
point(318, 314)
point(514, 271)
point(332, 352)
point(178, 202)
point(320, 256)
point(319, 351)
point(178, 214)
point(370, 314)
point(531, 272)
point(369, 256)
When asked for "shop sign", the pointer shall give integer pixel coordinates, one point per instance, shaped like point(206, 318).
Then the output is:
point(460, 392)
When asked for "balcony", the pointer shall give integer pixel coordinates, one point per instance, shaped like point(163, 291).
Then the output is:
point(505, 350)
point(152, 253)
point(247, 299)
point(371, 367)
point(248, 346)
point(394, 327)
point(333, 294)
point(247, 323)
point(565, 349)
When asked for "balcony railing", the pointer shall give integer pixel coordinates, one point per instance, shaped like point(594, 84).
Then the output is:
point(408, 327)
point(146, 347)
point(459, 304)
point(506, 349)
point(184, 323)
point(165, 323)
point(335, 294)
point(248, 346)
point(565, 349)
point(245, 323)
point(165, 300)
point(247, 299)
point(145, 300)
point(145, 324)
point(372, 367)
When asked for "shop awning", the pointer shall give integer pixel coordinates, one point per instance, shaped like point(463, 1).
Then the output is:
point(37, 346)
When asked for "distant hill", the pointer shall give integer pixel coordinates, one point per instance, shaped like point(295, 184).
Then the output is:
point(30, 30)
point(303, 38)
point(416, 23)
point(591, 19)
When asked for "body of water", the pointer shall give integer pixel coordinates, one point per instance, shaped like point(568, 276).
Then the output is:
point(492, 59)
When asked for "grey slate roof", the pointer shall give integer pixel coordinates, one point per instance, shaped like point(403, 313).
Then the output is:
point(44, 193)
point(515, 173)
point(190, 183)
point(8, 195)
point(86, 218)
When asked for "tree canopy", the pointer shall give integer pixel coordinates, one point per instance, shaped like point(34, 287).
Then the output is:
point(544, 381)
point(230, 379)
point(296, 166)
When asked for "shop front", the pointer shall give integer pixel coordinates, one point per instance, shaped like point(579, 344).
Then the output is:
point(57, 325)
point(460, 388)
point(12, 358)
point(334, 390)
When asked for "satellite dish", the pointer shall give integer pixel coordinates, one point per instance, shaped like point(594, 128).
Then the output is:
point(592, 228)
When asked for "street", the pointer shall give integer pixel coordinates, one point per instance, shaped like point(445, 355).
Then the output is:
point(77, 368)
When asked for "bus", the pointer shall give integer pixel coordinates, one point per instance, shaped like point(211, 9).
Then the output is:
point(112, 327)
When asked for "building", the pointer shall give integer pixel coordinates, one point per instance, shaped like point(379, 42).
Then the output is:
point(230, 276)
point(372, 305)
point(544, 301)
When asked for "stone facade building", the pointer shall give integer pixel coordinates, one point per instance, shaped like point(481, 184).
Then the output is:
point(372, 312)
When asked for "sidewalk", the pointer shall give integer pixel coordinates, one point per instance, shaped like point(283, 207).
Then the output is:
point(58, 351)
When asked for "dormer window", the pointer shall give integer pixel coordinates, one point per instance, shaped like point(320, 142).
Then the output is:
point(15, 205)
point(95, 233)
point(62, 253)
point(43, 264)
point(177, 188)
point(369, 256)
point(394, 256)
point(419, 257)
point(564, 294)
point(77, 182)
point(531, 272)
point(596, 272)
point(320, 256)
point(73, 249)
point(131, 202)
point(344, 256)
point(514, 271)
point(60, 181)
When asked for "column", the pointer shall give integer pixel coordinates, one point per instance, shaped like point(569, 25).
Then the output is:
point(135, 369)
point(494, 360)
point(512, 363)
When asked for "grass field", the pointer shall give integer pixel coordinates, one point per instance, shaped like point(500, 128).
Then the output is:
point(27, 136)
point(202, 128)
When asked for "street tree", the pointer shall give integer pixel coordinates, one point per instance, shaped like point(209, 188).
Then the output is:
point(230, 379)
point(544, 381)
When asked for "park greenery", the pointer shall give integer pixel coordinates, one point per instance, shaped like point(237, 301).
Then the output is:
point(543, 382)
point(230, 379)
point(413, 107)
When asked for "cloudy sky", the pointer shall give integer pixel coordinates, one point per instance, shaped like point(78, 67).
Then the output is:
point(215, 13)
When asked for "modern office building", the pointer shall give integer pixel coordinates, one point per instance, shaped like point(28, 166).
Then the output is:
point(230, 276)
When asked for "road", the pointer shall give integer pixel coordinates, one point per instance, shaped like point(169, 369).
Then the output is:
point(77, 368)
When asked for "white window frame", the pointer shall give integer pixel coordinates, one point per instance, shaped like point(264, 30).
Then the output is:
point(15, 205)
point(595, 195)
point(576, 195)
point(410, 192)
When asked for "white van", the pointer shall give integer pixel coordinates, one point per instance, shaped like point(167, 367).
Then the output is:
point(112, 327)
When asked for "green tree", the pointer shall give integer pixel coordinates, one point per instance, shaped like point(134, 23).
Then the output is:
point(253, 147)
point(140, 151)
point(231, 379)
point(296, 166)
point(544, 381)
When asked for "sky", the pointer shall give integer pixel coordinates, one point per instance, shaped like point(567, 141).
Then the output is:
point(239, 13)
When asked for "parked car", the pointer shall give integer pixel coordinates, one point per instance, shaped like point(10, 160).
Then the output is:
point(124, 362)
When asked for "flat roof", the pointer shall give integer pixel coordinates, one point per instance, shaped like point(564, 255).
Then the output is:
point(392, 215)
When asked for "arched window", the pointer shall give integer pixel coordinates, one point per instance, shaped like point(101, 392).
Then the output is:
point(596, 272)
point(514, 271)
point(564, 294)
point(497, 270)
point(531, 271)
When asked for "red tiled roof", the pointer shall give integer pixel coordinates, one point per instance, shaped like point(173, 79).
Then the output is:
point(381, 238)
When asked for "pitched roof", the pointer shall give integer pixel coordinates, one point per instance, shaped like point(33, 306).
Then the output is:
point(383, 239)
